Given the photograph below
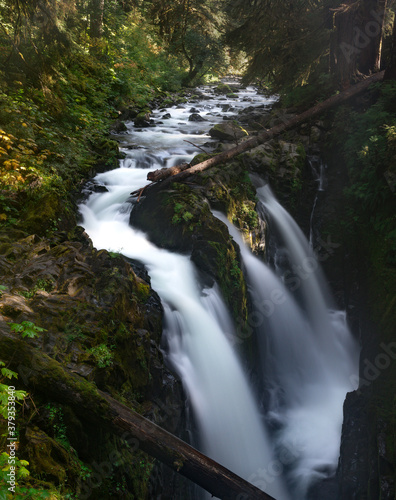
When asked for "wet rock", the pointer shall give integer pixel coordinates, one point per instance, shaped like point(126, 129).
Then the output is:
point(142, 120)
point(166, 116)
point(118, 127)
point(223, 88)
point(129, 113)
point(227, 132)
point(195, 117)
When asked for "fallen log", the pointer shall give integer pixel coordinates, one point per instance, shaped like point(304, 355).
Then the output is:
point(42, 374)
point(186, 170)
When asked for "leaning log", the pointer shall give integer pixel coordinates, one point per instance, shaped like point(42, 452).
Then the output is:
point(186, 170)
point(43, 375)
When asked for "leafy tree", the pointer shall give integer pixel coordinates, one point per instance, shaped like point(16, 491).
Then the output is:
point(192, 29)
point(284, 40)
point(289, 42)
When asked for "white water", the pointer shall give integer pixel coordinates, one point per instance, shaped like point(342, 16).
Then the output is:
point(197, 323)
point(303, 345)
point(309, 356)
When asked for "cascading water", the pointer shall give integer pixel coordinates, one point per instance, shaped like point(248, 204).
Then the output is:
point(308, 355)
point(197, 323)
point(306, 351)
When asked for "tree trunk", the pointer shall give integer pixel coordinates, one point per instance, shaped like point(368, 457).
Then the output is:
point(356, 41)
point(343, 52)
point(390, 72)
point(182, 171)
point(42, 374)
point(96, 22)
point(369, 36)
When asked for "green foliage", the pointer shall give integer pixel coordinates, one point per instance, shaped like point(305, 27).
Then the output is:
point(56, 419)
point(102, 354)
point(285, 41)
point(4, 390)
point(54, 115)
point(26, 329)
point(193, 31)
point(47, 285)
point(369, 151)
point(182, 214)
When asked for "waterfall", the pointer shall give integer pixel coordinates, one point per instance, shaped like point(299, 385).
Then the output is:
point(198, 329)
point(306, 351)
point(308, 355)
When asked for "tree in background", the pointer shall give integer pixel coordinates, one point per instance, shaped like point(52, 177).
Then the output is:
point(356, 41)
point(284, 40)
point(290, 42)
point(192, 29)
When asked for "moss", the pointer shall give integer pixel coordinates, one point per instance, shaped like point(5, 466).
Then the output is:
point(143, 291)
point(223, 88)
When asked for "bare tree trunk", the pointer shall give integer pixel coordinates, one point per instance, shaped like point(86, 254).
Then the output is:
point(370, 35)
point(343, 56)
point(356, 41)
point(390, 72)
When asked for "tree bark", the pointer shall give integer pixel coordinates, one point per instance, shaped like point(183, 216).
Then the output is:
point(356, 41)
point(42, 374)
point(96, 21)
point(182, 171)
point(369, 36)
point(343, 52)
point(390, 72)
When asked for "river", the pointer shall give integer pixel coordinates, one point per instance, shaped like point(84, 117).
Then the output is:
point(307, 354)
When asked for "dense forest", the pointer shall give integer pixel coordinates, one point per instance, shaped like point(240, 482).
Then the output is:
point(79, 324)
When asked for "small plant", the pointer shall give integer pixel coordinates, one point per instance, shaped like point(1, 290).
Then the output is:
point(47, 285)
point(2, 289)
point(102, 354)
point(4, 390)
point(27, 329)
point(55, 416)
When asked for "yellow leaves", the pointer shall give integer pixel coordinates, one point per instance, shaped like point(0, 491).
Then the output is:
point(11, 164)
point(3, 217)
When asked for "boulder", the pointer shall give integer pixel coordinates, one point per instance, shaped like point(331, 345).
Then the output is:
point(142, 119)
point(227, 132)
point(118, 126)
point(223, 88)
point(195, 117)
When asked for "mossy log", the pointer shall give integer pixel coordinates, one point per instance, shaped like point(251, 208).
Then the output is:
point(184, 171)
point(42, 374)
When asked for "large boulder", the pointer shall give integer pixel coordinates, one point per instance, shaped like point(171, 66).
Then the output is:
point(227, 131)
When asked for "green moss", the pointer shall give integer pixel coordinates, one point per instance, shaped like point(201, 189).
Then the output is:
point(223, 88)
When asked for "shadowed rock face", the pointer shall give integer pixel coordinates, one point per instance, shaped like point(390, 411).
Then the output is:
point(103, 323)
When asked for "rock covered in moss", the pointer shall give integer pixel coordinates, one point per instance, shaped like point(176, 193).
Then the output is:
point(103, 323)
point(228, 131)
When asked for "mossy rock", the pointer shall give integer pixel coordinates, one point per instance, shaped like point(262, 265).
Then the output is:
point(223, 88)
point(200, 234)
point(228, 131)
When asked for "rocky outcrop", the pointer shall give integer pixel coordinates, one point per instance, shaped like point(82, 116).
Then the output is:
point(103, 323)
